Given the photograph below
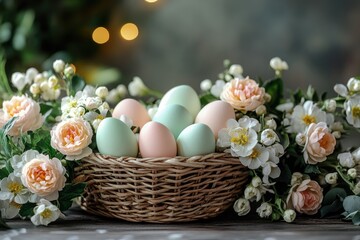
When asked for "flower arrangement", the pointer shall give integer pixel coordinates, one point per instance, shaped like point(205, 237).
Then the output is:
point(291, 146)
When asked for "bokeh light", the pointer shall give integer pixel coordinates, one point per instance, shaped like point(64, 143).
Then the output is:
point(129, 31)
point(151, 1)
point(100, 35)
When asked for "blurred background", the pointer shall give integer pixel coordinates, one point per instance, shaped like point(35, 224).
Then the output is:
point(171, 42)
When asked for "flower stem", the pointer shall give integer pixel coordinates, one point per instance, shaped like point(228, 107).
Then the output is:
point(338, 169)
point(155, 93)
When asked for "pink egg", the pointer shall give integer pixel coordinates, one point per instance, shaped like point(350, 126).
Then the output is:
point(132, 109)
point(156, 140)
point(215, 115)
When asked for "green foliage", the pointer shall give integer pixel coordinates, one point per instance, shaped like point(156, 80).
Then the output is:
point(351, 203)
point(76, 84)
point(312, 169)
point(69, 192)
point(275, 88)
point(27, 210)
point(207, 98)
point(6, 151)
point(332, 202)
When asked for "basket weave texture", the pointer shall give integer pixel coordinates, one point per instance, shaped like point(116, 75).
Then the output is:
point(161, 189)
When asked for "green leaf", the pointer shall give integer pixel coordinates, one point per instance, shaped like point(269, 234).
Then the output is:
point(4, 143)
point(334, 207)
point(27, 209)
point(3, 224)
point(4, 173)
point(351, 203)
point(69, 192)
point(356, 219)
point(275, 88)
point(312, 169)
point(76, 84)
point(207, 98)
point(334, 194)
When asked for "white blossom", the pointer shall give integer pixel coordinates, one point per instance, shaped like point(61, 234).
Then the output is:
point(69, 71)
point(217, 88)
point(330, 105)
point(52, 81)
point(205, 85)
point(265, 210)
point(18, 80)
point(289, 215)
point(296, 178)
point(59, 66)
point(271, 123)
point(137, 87)
point(13, 190)
point(336, 134)
point(9, 209)
point(35, 89)
point(356, 189)
point(269, 137)
point(352, 108)
point(45, 213)
point(285, 107)
point(300, 139)
point(102, 92)
point(356, 155)
point(337, 126)
point(331, 178)
point(278, 65)
point(256, 181)
point(252, 193)
point(258, 156)
point(236, 70)
point(260, 110)
point(242, 206)
point(352, 173)
point(346, 159)
point(353, 85)
point(341, 90)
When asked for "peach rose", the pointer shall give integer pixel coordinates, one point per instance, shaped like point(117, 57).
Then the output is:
point(43, 176)
point(243, 94)
point(72, 137)
point(320, 143)
point(27, 112)
point(305, 197)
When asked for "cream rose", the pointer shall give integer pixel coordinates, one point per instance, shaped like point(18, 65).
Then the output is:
point(72, 137)
point(43, 176)
point(319, 143)
point(305, 197)
point(27, 112)
point(243, 94)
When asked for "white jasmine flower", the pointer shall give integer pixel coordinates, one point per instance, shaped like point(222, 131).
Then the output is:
point(252, 193)
point(13, 190)
point(336, 134)
point(102, 92)
point(256, 181)
point(35, 89)
point(269, 137)
point(59, 66)
point(331, 178)
point(356, 189)
point(278, 65)
point(18, 80)
point(304, 115)
point(69, 71)
point(300, 139)
point(353, 85)
point(341, 90)
point(352, 173)
point(50, 94)
point(9, 209)
point(242, 206)
point(260, 110)
point(205, 85)
point(346, 160)
point(330, 105)
point(285, 107)
point(236, 70)
point(247, 122)
point(352, 108)
point(257, 157)
point(271, 123)
point(127, 120)
point(30, 75)
point(270, 169)
point(45, 213)
point(289, 215)
point(39, 78)
point(265, 210)
point(137, 87)
point(217, 88)
point(92, 103)
point(296, 178)
point(53, 81)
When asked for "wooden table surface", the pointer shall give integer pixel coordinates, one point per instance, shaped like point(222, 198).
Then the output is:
point(80, 225)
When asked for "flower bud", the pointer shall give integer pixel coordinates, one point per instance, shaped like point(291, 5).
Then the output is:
point(44, 86)
point(18, 80)
point(69, 71)
point(296, 178)
point(300, 139)
point(267, 97)
point(278, 65)
point(353, 85)
point(236, 70)
point(102, 92)
point(271, 123)
point(289, 215)
point(352, 173)
point(53, 81)
point(205, 85)
point(331, 178)
point(356, 189)
point(260, 110)
point(30, 75)
point(268, 137)
point(330, 105)
point(35, 89)
point(39, 78)
point(256, 182)
point(265, 210)
point(346, 160)
point(336, 134)
point(59, 66)
point(242, 206)
point(337, 126)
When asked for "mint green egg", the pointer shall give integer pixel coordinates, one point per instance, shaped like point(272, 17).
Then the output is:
point(175, 117)
point(115, 138)
point(197, 139)
point(183, 95)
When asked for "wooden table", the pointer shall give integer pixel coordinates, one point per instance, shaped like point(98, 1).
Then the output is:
point(80, 225)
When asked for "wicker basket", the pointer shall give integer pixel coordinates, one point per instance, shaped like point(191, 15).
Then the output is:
point(161, 189)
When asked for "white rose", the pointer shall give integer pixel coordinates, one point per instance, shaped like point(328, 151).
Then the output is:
point(242, 206)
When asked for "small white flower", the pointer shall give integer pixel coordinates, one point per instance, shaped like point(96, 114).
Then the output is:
point(69, 71)
point(45, 213)
point(236, 70)
point(341, 90)
point(337, 126)
point(336, 134)
point(256, 181)
point(257, 157)
point(44, 86)
point(113, 97)
point(50, 94)
point(269, 137)
point(205, 85)
point(352, 108)
point(127, 120)
point(285, 107)
point(228, 77)
point(265, 210)
point(271, 123)
point(356, 189)
point(137, 87)
point(217, 88)
point(59, 66)
point(331, 178)
point(102, 92)
point(12, 189)
point(289, 215)
point(300, 139)
point(30, 75)
point(242, 206)
point(18, 161)
point(9, 209)
point(296, 178)
point(247, 122)
point(330, 105)
point(152, 111)
point(346, 160)
point(267, 97)
point(260, 110)
point(278, 65)
point(270, 169)
point(252, 193)
point(53, 81)
point(356, 155)
point(18, 80)
point(122, 90)
point(35, 89)
point(92, 103)
point(352, 173)
point(353, 85)
point(39, 78)
point(95, 123)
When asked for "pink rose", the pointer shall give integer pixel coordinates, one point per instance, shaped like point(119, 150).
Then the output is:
point(305, 197)
point(320, 143)
point(243, 94)
point(44, 177)
point(72, 137)
point(27, 112)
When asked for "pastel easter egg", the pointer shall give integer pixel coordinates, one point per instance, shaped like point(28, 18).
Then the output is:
point(132, 109)
point(183, 95)
point(155, 140)
point(215, 115)
point(113, 137)
point(196, 139)
point(175, 117)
